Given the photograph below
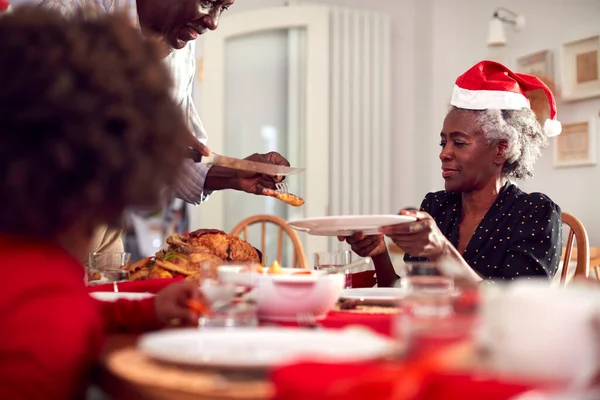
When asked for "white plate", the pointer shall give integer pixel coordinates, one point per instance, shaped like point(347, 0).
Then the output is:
point(114, 296)
point(377, 295)
point(250, 348)
point(347, 225)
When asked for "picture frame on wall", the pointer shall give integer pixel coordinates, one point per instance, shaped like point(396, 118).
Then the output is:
point(576, 145)
point(580, 69)
point(539, 64)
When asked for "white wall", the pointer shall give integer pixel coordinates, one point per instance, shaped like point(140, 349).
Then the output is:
point(459, 41)
point(435, 41)
point(404, 66)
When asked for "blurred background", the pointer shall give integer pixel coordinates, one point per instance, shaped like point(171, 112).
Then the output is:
point(356, 91)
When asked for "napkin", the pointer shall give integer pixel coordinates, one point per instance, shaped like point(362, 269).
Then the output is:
point(379, 381)
point(146, 286)
point(364, 279)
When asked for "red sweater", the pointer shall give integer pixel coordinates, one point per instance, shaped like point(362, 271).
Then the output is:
point(51, 330)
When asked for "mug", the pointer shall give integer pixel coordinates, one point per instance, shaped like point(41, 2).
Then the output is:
point(530, 329)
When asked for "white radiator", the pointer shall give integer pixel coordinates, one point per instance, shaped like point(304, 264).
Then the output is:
point(360, 135)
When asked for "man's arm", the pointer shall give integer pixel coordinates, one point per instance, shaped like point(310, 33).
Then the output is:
point(68, 7)
point(190, 185)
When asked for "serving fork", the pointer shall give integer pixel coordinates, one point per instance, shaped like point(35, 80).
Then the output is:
point(282, 187)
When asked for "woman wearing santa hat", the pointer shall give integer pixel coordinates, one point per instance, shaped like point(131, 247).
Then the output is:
point(483, 222)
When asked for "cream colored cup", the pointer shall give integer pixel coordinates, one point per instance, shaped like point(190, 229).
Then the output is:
point(531, 330)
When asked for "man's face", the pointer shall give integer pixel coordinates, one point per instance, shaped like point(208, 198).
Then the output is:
point(179, 21)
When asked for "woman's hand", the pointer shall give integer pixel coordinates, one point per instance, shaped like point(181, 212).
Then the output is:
point(171, 303)
point(365, 246)
point(421, 238)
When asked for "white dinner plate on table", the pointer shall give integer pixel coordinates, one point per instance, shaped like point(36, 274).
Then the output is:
point(376, 295)
point(114, 296)
point(260, 348)
point(347, 225)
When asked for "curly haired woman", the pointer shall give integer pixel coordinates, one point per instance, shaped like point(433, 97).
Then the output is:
point(485, 224)
point(87, 128)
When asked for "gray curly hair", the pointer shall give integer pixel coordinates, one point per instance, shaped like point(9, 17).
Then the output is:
point(520, 130)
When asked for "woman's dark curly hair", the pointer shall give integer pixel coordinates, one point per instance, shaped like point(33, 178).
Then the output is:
point(88, 125)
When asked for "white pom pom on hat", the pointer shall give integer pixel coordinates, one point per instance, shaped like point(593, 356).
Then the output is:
point(491, 85)
point(552, 127)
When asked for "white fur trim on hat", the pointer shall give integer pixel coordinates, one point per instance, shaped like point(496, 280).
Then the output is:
point(552, 127)
point(487, 99)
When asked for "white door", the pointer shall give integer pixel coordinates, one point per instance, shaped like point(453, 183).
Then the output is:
point(266, 88)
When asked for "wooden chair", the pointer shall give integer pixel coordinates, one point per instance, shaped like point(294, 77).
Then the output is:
point(576, 231)
point(263, 220)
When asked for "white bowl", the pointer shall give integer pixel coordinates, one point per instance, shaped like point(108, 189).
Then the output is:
point(282, 297)
point(235, 274)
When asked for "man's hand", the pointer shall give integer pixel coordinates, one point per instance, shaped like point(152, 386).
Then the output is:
point(219, 178)
point(199, 147)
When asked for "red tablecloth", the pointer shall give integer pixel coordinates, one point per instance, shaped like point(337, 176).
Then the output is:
point(383, 382)
point(420, 377)
point(380, 323)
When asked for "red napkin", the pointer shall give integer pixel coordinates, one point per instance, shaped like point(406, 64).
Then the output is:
point(408, 381)
point(146, 286)
point(364, 279)
point(380, 323)
point(439, 386)
point(4, 5)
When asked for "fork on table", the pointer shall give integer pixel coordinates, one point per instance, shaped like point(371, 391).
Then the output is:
point(307, 320)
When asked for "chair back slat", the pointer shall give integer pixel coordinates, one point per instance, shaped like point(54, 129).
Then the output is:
point(280, 244)
point(263, 220)
point(263, 237)
point(577, 232)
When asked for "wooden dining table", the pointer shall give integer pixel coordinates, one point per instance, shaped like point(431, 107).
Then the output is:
point(125, 373)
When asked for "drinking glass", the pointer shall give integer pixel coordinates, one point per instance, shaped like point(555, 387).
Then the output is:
point(226, 288)
point(326, 260)
point(431, 310)
point(107, 267)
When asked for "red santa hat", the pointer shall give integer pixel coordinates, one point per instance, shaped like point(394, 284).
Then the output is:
point(491, 85)
point(4, 6)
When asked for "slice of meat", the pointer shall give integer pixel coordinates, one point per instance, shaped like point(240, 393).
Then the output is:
point(140, 264)
point(215, 243)
point(185, 269)
point(240, 250)
point(287, 198)
point(195, 277)
point(179, 244)
point(139, 275)
point(159, 273)
point(200, 232)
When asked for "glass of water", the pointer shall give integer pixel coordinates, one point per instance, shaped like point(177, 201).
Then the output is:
point(429, 312)
point(326, 260)
point(227, 289)
point(107, 268)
